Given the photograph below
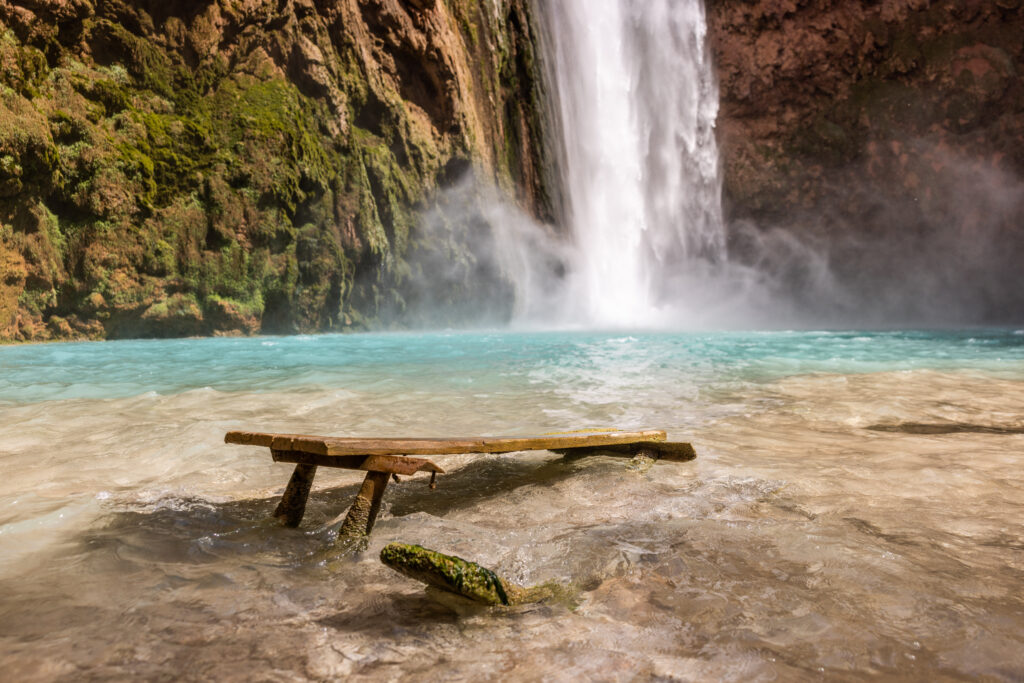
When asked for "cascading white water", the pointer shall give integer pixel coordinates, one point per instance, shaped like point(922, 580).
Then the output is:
point(636, 103)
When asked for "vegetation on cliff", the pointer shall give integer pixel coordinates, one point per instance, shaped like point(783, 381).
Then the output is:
point(177, 168)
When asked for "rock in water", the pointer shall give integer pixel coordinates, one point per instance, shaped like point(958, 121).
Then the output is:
point(459, 576)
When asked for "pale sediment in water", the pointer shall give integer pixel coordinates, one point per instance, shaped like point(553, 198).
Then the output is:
point(133, 543)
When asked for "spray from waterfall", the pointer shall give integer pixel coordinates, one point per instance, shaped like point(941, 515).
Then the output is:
point(635, 103)
point(632, 105)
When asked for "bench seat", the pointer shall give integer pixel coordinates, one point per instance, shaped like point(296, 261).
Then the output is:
point(384, 458)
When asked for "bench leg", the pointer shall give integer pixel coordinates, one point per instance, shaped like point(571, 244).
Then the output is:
point(643, 460)
point(293, 503)
point(366, 506)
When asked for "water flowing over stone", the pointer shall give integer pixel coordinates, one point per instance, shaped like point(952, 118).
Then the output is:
point(635, 104)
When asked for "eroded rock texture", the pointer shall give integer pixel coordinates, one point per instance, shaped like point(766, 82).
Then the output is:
point(889, 135)
point(222, 166)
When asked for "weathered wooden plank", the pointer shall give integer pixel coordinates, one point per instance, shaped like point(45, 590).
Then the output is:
point(673, 451)
point(392, 464)
point(335, 446)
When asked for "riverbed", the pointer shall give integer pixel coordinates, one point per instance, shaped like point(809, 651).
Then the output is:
point(856, 508)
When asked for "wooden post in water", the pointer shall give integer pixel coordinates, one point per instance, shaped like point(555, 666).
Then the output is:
point(643, 460)
point(366, 506)
point(293, 503)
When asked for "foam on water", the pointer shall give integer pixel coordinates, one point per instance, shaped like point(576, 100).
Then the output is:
point(134, 543)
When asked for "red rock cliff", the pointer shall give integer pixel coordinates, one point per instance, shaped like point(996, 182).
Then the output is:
point(889, 132)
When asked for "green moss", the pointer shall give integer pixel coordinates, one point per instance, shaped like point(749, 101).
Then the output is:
point(174, 309)
point(160, 258)
point(9, 167)
point(273, 132)
point(23, 68)
point(112, 96)
point(391, 190)
point(249, 308)
point(148, 65)
point(468, 579)
point(462, 11)
point(179, 148)
point(36, 301)
point(169, 173)
point(446, 572)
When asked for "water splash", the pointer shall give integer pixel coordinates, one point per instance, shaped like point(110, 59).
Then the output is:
point(635, 102)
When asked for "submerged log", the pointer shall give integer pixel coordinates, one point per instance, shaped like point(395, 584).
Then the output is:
point(946, 428)
point(459, 576)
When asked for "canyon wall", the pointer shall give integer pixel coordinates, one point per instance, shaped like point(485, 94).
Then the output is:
point(184, 167)
point(886, 136)
point(242, 166)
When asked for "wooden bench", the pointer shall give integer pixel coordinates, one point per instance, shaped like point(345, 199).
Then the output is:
point(383, 459)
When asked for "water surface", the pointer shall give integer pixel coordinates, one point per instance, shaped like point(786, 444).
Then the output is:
point(818, 532)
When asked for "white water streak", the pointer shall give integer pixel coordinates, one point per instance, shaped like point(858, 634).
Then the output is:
point(636, 104)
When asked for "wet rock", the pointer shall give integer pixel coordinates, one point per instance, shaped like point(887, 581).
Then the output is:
point(872, 129)
point(805, 83)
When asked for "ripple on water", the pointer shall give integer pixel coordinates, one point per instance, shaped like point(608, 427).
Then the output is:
point(800, 542)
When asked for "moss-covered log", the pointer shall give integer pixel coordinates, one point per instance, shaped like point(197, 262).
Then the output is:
point(459, 576)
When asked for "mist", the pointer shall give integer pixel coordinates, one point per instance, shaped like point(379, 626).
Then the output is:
point(947, 254)
point(476, 260)
point(912, 232)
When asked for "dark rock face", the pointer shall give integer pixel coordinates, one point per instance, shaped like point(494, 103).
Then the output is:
point(234, 166)
point(888, 134)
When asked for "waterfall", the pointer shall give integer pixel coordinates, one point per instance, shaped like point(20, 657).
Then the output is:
point(635, 101)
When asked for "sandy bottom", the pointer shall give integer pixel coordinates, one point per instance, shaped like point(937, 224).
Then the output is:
point(801, 543)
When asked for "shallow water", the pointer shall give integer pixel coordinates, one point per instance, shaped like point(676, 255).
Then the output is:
point(818, 532)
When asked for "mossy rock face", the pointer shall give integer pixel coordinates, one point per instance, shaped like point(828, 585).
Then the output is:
point(226, 169)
